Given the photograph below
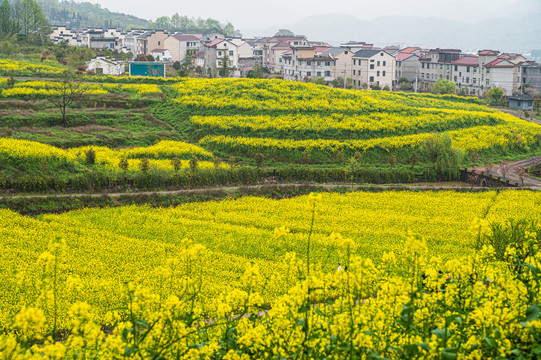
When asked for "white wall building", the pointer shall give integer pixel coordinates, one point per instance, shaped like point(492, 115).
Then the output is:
point(102, 65)
point(373, 67)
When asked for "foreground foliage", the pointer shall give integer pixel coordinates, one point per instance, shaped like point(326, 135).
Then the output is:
point(155, 294)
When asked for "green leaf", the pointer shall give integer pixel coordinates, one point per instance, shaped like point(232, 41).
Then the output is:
point(533, 312)
point(449, 354)
point(442, 333)
point(491, 342)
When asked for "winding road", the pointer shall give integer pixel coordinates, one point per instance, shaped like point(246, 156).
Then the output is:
point(512, 173)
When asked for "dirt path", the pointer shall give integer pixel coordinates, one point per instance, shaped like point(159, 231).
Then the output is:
point(415, 186)
point(513, 176)
point(519, 114)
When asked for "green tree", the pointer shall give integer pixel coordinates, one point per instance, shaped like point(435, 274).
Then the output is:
point(445, 159)
point(284, 32)
point(224, 68)
point(444, 86)
point(494, 96)
point(229, 30)
point(7, 25)
point(70, 92)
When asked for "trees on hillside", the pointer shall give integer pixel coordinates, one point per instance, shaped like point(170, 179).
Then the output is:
point(494, 96)
point(186, 24)
point(25, 17)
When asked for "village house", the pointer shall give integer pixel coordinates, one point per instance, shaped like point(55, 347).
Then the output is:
point(100, 39)
point(437, 65)
point(531, 74)
point(521, 102)
point(215, 52)
point(408, 66)
point(182, 45)
point(104, 66)
point(343, 62)
point(467, 74)
point(373, 68)
point(161, 55)
point(276, 46)
point(303, 64)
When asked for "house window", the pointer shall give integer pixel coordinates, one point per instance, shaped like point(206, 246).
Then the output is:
point(384, 64)
point(372, 60)
point(467, 80)
point(474, 81)
point(456, 79)
point(327, 73)
point(378, 73)
point(309, 73)
point(159, 42)
point(488, 82)
point(383, 74)
point(371, 66)
point(230, 52)
point(371, 79)
point(327, 63)
point(319, 73)
point(423, 75)
point(309, 63)
point(467, 69)
point(219, 63)
point(456, 67)
point(423, 65)
point(319, 63)
point(219, 53)
point(280, 60)
point(378, 63)
point(380, 54)
point(441, 67)
point(353, 72)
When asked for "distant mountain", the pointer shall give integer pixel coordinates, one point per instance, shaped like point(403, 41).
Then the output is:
point(511, 34)
point(85, 15)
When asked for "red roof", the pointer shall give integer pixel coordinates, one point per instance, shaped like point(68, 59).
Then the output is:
point(214, 42)
point(488, 52)
point(321, 49)
point(467, 60)
point(158, 51)
point(281, 45)
point(186, 37)
point(198, 54)
point(498, 63)
point(409, 50)
point(403, 56)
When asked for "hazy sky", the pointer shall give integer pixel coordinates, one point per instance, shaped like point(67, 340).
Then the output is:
point(247, 14)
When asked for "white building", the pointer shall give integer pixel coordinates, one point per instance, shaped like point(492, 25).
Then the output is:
point(161, 55)
point(302, 64)
point(215, 52)
point(102, 65)
point(180, 45)
point(373, 67)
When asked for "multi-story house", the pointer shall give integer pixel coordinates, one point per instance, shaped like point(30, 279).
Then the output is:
point(215, 52)
point(100, 39)
point(343, 62)
point(467, 74)
point(408, 66)
point(302, 63)
point(182, 45)
point(531, 74)
point(437, 65)
point(276, 46)
point(373, 67)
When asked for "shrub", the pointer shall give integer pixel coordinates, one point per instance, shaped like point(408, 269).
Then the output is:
point(194, 163)
point(123, 164)
point(445, 159)
point(176, 163)
point(259, 158)
point(144, 165)
point(90, 156)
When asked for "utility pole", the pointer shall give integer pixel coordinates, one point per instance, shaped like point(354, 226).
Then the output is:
point(416, 84)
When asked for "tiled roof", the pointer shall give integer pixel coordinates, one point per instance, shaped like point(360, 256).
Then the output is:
point(214, 42)
point(488, 52)
point(158, 51)
point(446, 51)
point(523, 97)
point(409, 50)
point(366, 53)
point(321, 49)
point(403, 56)
point(186, 37)
point(498, 63)
point(467, 60)
point(333, 51)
